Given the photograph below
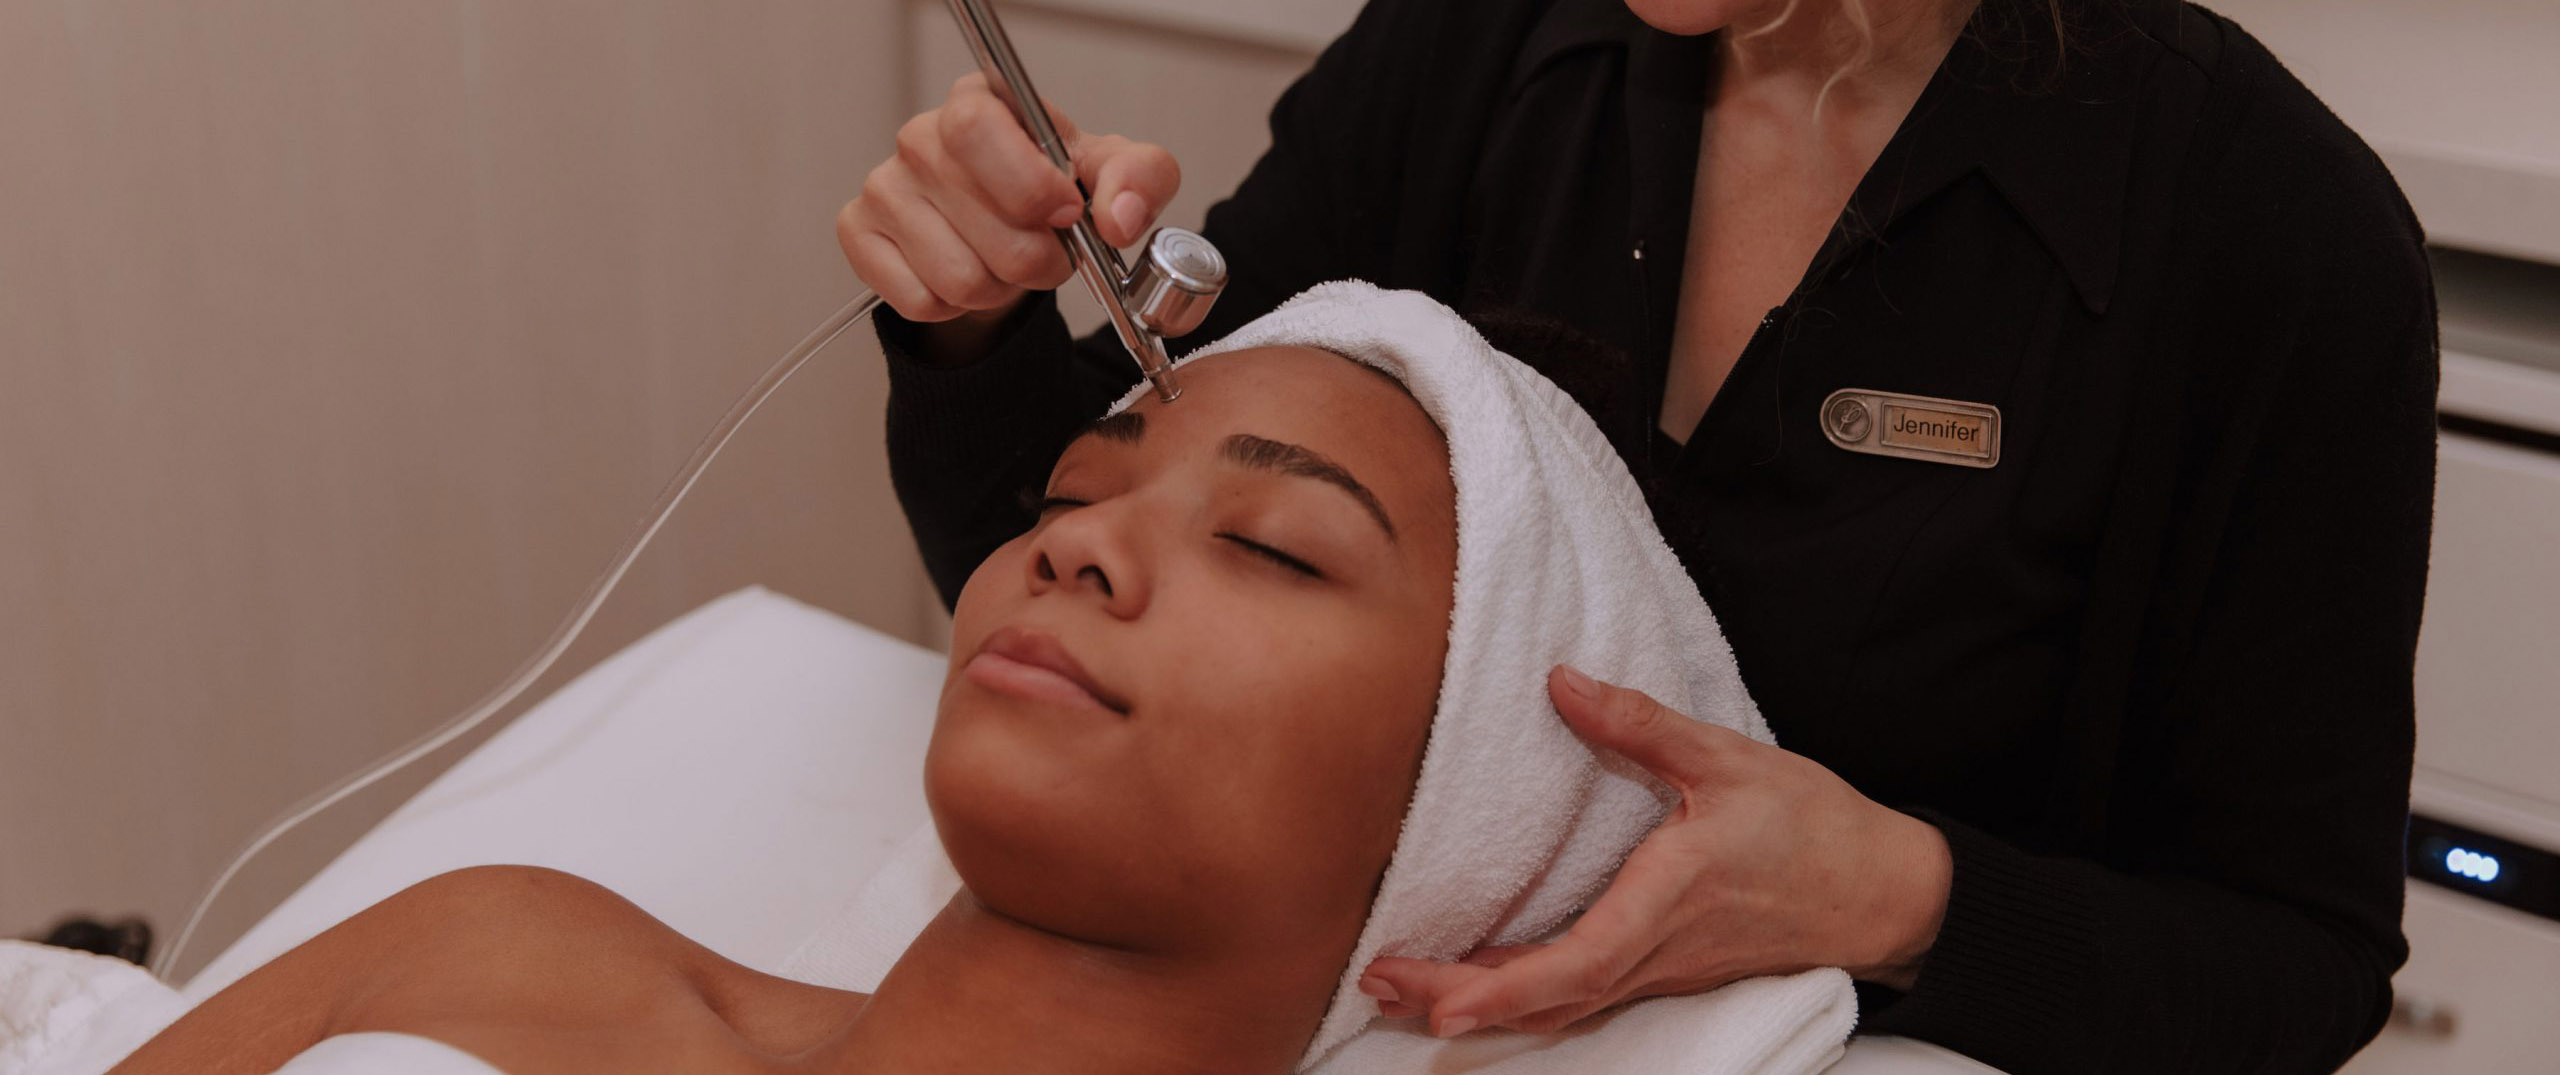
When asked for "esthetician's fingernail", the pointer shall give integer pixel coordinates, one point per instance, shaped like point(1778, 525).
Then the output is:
point(1457, 1026)
point(1581, 685)
point(1378, 987)
point(1131, 211)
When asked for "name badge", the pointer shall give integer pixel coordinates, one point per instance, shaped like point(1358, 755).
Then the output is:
point(1913, 427)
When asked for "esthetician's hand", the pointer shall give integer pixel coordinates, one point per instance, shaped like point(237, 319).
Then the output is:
point(1769, 865)
point(959, 222)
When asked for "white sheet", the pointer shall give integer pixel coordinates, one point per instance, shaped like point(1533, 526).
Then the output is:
point(740, 773)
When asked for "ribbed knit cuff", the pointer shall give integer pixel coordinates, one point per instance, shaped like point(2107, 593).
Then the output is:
point(962, 420)
point(1013, 364)
point(2006, 980)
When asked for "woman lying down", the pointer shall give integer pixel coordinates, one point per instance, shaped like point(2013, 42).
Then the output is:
point(1261, 697)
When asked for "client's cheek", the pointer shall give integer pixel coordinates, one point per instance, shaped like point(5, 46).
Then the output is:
point(1395, 693)
point(997, 577)
point(1349, 790)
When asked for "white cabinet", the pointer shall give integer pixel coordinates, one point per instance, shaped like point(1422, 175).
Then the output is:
point(2489, 657)
point(2481, 992)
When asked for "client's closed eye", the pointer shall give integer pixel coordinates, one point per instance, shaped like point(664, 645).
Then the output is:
point(1042, 505)
point(1045, 505)
point(1274, 555)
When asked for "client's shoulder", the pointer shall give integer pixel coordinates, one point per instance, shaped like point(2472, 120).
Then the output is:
point(498, 918)
point(496, 959)
point(502, 940)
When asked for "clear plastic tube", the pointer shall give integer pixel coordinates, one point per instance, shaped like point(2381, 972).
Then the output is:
point(561, 636)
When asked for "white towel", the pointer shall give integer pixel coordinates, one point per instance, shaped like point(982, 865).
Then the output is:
point(72, 1013)
point(1515, 824)
point(380, 1053)
point(854, 949)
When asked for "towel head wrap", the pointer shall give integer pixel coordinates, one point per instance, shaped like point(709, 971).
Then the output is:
point(1515, 824)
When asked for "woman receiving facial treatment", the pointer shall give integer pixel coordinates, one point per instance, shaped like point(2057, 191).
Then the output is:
point(2041, 392)
point(1244, 709)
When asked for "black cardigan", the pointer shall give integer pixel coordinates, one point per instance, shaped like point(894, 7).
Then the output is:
point(2151, 673)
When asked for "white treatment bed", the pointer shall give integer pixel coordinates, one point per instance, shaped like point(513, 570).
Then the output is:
point(738, 773)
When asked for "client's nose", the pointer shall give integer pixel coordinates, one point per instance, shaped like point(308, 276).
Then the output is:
point(1083, 552)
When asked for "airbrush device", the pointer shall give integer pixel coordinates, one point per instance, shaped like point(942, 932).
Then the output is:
point(1178, 274)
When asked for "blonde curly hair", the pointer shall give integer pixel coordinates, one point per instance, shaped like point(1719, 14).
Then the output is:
point(2014, 14)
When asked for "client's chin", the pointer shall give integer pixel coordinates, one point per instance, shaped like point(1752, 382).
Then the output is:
point(1043, 830)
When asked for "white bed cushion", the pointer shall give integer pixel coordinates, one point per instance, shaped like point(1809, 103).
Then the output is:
point(738, 773)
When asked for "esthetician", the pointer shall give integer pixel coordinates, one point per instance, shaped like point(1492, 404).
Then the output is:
point(2040, 392)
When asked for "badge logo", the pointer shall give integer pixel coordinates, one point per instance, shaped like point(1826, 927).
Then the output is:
point(1913, 427)
point(1847, 418)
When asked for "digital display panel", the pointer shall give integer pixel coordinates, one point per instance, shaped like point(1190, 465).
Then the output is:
point(2491, 867)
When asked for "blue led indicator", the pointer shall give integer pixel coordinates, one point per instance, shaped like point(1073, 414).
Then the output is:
point(2464, 862)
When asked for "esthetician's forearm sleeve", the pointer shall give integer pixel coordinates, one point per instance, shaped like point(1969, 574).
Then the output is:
point(2248, 917)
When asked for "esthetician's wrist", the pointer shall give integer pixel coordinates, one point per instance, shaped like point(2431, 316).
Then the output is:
point(968, 337)
point(1918, 872)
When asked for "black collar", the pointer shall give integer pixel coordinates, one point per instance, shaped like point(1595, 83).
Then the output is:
point(2057, 147)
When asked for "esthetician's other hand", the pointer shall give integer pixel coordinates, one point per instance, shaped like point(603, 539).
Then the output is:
point(1770, 864)
point(958, 223)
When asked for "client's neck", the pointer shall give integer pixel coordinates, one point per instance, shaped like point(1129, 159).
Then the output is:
point(978, 991)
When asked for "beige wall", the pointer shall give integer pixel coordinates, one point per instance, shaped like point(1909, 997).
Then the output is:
point(339, 344)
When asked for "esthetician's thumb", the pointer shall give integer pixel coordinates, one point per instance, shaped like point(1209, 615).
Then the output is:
point(1681, 752)
point(1130, 183)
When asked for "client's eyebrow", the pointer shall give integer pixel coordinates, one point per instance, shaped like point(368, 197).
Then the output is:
point(1279, 457)
point(1256, 453)
point(1126, 427)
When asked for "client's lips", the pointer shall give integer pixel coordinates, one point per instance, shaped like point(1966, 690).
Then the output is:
point(1035, 665)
